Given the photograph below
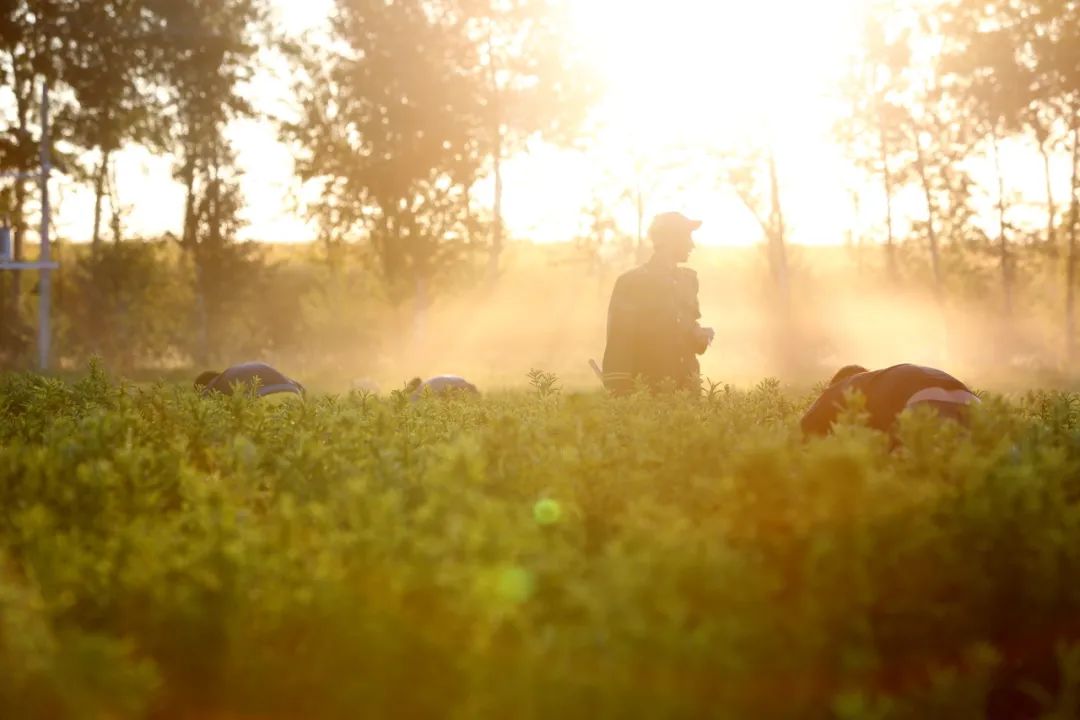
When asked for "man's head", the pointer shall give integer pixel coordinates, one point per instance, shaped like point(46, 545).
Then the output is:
point(845, 372)
point(671, 234)
point(205, 379)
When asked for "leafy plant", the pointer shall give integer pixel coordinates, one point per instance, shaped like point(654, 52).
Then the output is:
point(167, 555)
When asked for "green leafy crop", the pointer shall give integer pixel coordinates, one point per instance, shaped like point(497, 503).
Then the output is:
point(531, 555)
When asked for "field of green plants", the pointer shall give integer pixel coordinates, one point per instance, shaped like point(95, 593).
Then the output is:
point(532, 554)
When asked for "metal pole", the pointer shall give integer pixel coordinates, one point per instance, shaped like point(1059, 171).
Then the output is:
point(45, 283)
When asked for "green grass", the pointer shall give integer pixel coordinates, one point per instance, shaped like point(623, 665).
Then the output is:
point(530, 554)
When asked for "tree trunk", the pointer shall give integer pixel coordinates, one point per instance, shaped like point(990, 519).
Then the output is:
point(187, 236)
point(924, 178)
point(497, 228)
point(1051, 211)
point(202, 316)
point(18, 235)
point(496, 121)
point(189, 242)
point(890, 240)
point(777, 240)
point(1003, 242)
point(855, 239)
point(99, 199)
point(1070, 266)
point(785, 338)
point(116, 219)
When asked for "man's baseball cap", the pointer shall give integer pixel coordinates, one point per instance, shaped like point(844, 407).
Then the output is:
point(666, 226)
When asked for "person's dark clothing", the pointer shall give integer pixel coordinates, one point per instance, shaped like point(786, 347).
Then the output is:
point(887, 393)
point(269, 380)
point(652, 329)
point(442, 386)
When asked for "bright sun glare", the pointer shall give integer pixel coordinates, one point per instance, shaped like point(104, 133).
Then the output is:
point(685, 78)
point(703, 67)
point(691, 76)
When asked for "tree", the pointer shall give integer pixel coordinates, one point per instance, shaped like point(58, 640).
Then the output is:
point(752, 174)
point(535, 85)
point(940, 143)
point(210, 50)
point(110, 69)
point(224, 270)
point(874, 86)
point(906, 128)
point(1021, 60)
point(601, 244)
point(1055, 39)
point(33, 34)
point(90, 53)
point(938, 131)
point(391, 130)
point(1071, 261)
point(125, 304)
point(987, 69)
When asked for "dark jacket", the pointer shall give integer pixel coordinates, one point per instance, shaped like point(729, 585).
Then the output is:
point(442, 386)
point(887, 393)
point(653, 330)
point(269, 380)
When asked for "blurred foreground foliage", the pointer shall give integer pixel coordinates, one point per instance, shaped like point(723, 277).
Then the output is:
point(531, 554)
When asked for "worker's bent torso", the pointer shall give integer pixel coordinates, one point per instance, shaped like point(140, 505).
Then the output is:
point(267, 380)
point(888, 392)
point(444, 385)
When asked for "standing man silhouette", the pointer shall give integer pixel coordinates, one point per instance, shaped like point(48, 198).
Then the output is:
point(653, 331)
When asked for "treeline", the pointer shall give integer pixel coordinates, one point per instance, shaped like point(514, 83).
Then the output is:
point(163, 74)
point(404, 112)
point(937, 94)
point(135, 306)
point(400, 113)
point(940, 99)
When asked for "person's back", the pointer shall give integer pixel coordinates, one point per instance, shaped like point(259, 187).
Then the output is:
point(888, 392)
point(652, 328)
point(267, 380)
point(440, 385)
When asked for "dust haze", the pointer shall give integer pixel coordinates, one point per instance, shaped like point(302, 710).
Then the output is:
point(549, 312)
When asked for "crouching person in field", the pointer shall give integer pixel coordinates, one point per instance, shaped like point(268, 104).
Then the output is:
point(265, 379)
point(440, 386)
point(888, 393)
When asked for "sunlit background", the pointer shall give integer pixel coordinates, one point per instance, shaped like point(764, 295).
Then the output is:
point(681, 81)
point(687, 90)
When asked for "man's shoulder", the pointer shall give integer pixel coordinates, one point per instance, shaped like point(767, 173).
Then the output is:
point(251, 366)
point(922, 374)
point(636, 272)
point(635, 277)
point(246, 368)
point(651, 271)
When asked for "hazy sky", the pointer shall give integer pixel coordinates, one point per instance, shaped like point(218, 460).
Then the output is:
point(689, 74)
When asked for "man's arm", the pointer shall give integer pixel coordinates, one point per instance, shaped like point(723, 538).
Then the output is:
point(699, 337)
point(822, 414)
